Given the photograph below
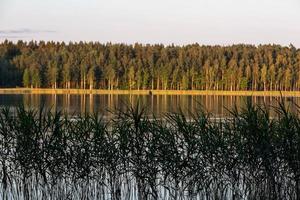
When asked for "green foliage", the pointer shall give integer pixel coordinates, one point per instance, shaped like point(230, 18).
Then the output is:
point(184, 82)
point(26, 78)
point(35, 78)
point(120, 66)
point(110, 76)
point(145, 79)
point(66, 75)
point(52, 74)
point(91, 77)
point(264, 75)
point(131, 75)
point(244, 83)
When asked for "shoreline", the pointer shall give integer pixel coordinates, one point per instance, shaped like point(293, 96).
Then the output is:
point(148, 92)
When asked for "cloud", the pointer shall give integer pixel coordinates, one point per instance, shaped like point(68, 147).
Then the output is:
point(12, 36)
point(24, 31)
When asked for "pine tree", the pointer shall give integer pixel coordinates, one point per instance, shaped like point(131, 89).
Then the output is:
point(52, 75)
point(272, 76)
point(110, 75)
point(264, 76)
point(83, 74)
point(145, 79)
point(131, 81)
point(67, 76)
point(91, 77)
point(287, 79)
point(26, 78)
point(184, 82)
point(139, 78)
point(36, 81)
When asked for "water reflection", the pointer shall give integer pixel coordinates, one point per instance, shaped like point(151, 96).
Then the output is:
point(156, 104)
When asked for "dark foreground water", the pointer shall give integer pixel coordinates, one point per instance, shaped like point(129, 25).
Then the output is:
point(250, 155)
point(156, 104)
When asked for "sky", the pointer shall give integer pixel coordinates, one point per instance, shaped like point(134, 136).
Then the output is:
point(208, 22)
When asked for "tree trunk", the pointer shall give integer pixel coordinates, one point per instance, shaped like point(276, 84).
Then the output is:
point(152, 84)
point(271, 85)
point(192, 83)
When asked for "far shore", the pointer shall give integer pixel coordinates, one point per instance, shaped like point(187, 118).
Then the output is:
point(147, 92)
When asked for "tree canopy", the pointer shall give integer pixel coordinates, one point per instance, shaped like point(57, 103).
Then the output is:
point(121, 66)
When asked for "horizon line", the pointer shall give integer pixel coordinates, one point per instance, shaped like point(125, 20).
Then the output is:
point(3, 40)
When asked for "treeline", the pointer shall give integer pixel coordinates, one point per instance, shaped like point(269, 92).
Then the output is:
point(121, 66)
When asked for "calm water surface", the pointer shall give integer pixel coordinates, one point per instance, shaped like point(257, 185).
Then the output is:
point(156, 104)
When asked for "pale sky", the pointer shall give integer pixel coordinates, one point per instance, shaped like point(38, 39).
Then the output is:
point(180, 22)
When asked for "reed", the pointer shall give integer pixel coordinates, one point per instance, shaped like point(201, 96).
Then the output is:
point(250, 155)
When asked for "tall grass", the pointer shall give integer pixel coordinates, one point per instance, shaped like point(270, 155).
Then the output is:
point(250, 155)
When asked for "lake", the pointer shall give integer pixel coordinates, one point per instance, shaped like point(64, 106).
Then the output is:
point(244, 158)
point(156, 104)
